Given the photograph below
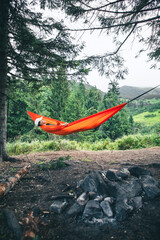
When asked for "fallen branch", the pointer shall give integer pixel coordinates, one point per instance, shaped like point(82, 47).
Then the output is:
point(5, 187)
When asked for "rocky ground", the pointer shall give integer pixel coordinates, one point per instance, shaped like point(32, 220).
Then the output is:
point(31, 198)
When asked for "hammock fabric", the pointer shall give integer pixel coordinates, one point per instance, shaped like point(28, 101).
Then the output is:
point(84, 124)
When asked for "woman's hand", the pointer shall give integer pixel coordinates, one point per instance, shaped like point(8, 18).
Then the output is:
point(65, 124)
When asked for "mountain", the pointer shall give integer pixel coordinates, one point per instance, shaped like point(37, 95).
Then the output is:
point(128, 92)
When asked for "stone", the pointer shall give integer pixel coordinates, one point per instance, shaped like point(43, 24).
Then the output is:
point(102, 221)
point(150, 186)
point(99, 198)
point(75, 209)
point(112, 175)
point(92, 195)
point(125, 189)
point(92, 209)
point(136, 203)
point(106, 208)
point(13, 224)
point(138, 171)
point(83, 199)
point(117, 175)
point(109, 199)
point(122, 210)
point(94, 183)
point(148, 180)
point(108, 220)
point(58, 206)
point(123, 173)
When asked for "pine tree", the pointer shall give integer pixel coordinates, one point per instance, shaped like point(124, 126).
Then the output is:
point(118, 125)
point(93, 100)
point(75, 106)
point(25, 54)
point(59, 95)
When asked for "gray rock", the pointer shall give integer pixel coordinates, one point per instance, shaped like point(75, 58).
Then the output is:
point(125, 189)
point(106, 208)
point(83, 198)
point(148, 180)
point(123, 173)
point(92, 209)
point(112, 175)
point(92, 195)
point(136, 203)
point(138, 171)
point(75, 210)
point(150, 186)
point(58, 206)
point(99, 198)
point(13, 223)
point(108, 220)
point(117, 175)
point(109, 199)
point(122, 210)
point(102, 221)
point(94, 183)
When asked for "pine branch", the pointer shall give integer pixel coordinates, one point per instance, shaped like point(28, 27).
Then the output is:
point(113, 26)
point(116, 12)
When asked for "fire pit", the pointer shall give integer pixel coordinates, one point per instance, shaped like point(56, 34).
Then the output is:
point(109, 197)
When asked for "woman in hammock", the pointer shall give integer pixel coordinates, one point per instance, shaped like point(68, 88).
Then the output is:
point(41, 122)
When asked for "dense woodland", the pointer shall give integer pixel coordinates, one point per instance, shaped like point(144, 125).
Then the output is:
point(68, 102)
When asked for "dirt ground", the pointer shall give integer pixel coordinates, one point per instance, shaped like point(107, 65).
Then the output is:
point(31, 198)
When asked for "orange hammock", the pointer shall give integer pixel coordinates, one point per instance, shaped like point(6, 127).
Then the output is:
point(80, 125)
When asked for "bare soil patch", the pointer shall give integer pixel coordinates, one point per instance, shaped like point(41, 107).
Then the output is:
point(35, 193)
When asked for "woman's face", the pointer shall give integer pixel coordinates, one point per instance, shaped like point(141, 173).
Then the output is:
point(41, 123)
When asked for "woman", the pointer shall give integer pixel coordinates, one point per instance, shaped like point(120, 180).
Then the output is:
point(41, 122)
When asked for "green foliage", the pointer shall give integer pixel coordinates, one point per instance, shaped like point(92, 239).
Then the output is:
point(18, 147)
point(147, 118)
point(59, 94)
point(59, 102)
point(126, 142)
point(138, 141)
point(120, 124)
point(75, 107)
point(140, 106)
point(54, 164)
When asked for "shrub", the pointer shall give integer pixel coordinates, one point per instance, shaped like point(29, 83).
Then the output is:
point(126, 142)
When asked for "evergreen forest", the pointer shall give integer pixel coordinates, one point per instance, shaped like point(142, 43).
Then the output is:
point(135, 126)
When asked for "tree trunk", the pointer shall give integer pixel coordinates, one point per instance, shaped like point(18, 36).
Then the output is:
point(4, 6)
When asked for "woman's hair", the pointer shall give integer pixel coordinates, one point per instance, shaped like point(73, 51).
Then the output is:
point(39, 123)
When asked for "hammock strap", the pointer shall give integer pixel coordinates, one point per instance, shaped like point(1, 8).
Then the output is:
point(142, 94)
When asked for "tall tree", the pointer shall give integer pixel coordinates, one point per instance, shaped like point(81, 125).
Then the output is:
point(118, 125)
point(75, 106)
point(93, 99)
point(59, 94)
point(25, 54)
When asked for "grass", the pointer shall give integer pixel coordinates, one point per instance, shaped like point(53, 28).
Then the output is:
point(126, 142)
point(53, 165)
point(148, 118)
